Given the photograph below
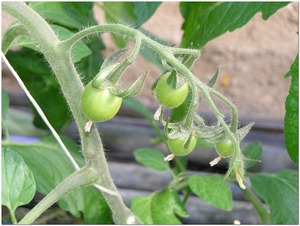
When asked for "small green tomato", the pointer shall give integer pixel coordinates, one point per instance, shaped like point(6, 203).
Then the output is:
point(99, 105)
point(176, 145)
point(168, 96)
point(224, 148)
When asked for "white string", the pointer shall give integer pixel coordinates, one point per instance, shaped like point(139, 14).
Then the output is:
point(40, 111)
point(43, 116)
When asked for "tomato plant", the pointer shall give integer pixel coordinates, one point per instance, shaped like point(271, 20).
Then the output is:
point(51, 36)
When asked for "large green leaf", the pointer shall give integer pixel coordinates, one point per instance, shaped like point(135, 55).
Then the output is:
point(143, 11)
point(18, 184)
point(206, 21)
point(159, 208)
point(50, 166)
point(280, 191)
point(74, 15)
point(42, 84)
point(291, 118)
point(79, 50)
point(151, 158)
point(213, 190)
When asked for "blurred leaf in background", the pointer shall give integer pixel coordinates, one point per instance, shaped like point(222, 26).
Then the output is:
point(42, 85)
point(52, 167)
point(291, 119)
point(280, 191)
point(204, 21)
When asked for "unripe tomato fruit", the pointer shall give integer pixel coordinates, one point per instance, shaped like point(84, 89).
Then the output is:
point(168, 96)
point(224, 148)
point(176, 145)
point(99, 105)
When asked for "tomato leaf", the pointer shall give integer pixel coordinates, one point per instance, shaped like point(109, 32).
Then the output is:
point(50, 166)
point(20, 123)
point(159, 208)
point(213, 190)
point(280, 191)
point(252, 151)
point(151, 158)
point(206, 21)
point(42, 85)
point(75, 15)
point(143, 11)
point(79, 50)
point(291, 118)
point(18, 184)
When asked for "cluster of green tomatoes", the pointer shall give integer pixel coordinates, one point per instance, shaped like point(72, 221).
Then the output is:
point(101, 101)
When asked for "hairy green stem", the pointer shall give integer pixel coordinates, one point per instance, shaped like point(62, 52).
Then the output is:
point(114, 78)
point(265, 217)
point(234, 111)
point(83, 177)
point(10, 36)
point(59, 59)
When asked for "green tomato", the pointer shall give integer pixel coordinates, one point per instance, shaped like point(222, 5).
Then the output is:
point(168, 96)
point(176, 145)
point(99, 105)
point(224, 148)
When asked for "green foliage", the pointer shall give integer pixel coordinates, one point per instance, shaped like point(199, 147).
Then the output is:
point(280, 191)
point(49, 165)
point(73, 15)
point(151, 158)
point(79, 50)
point(159, 208)
point(206, 21)
point(212, 189)
point(18, 184)
point(253, 153)
point(52, 167)
point(39, 80)
point(20, 123)
point(291, 119)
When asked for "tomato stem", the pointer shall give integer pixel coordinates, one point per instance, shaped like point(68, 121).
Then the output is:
point(114, 78)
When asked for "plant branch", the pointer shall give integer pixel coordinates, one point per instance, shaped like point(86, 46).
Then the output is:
point(265, 217)
point(10, 35)
point(127, 62)
point(84, 177)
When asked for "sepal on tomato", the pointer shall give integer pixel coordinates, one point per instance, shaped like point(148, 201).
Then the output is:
point(102, 76)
